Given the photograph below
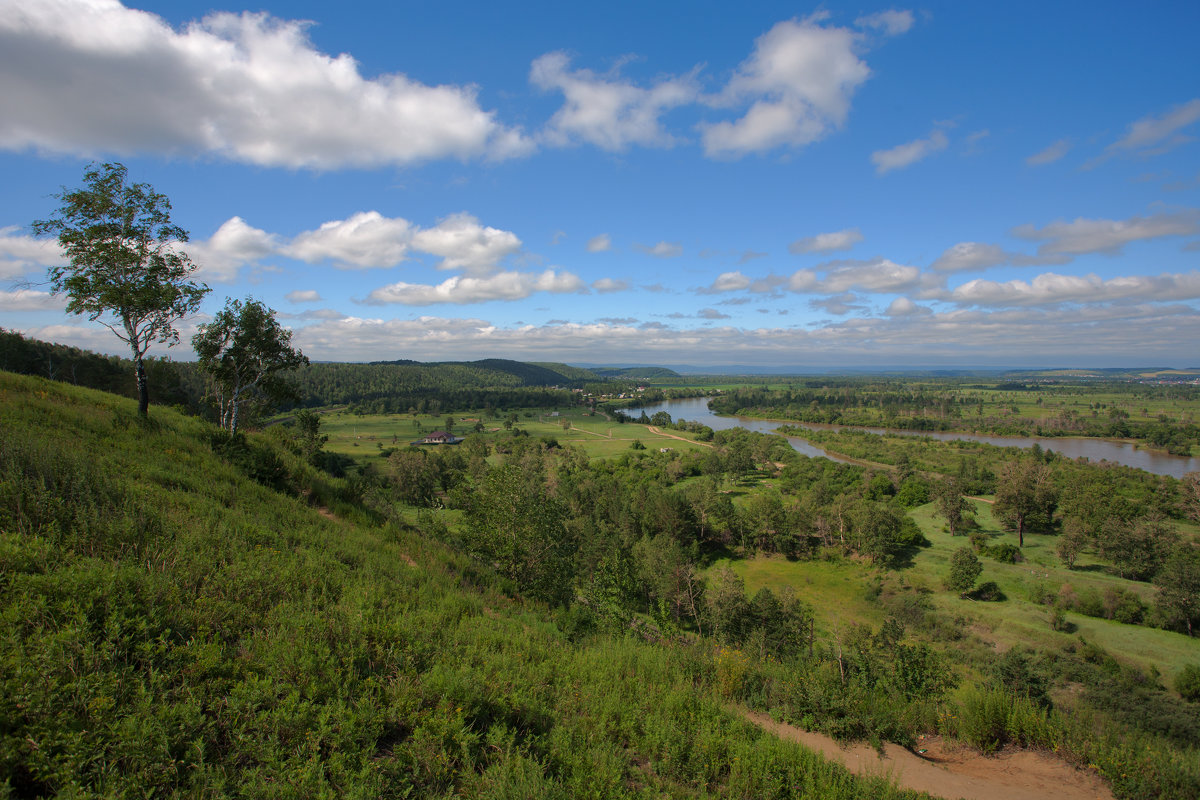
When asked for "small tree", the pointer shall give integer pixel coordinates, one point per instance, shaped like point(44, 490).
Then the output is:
point(123, 266)
point(1025, 496)
point(244, 350)
point(1178, 583)
point(952, 505)
point(964, 570)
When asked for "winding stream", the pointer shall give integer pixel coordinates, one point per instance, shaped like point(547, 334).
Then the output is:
point(695, 409)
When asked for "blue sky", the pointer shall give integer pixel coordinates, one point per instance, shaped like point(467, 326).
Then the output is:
point(833, 186)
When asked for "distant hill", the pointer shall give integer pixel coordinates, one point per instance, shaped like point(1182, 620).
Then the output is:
point(649, 373)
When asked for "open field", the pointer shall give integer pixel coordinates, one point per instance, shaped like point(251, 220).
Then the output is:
point(361, 436)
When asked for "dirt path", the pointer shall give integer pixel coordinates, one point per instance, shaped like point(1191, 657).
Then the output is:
point(947, 771)
point(658, 432)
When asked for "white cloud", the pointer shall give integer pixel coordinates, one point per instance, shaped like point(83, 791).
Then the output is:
point(365, 239)
point(890, 23)
point(92, 76)
point(464, 244)
point(1051, 154)
point(1152, 134)
point(1051, 289)
point(826, 242)
point(970, 257)
point(462, 290)
point(20, 253)
point(799, 81)
point(903, 307)
point(31, 300)
point(661, 250)
point(234, 245)
point(838, 305)
point(303, 296)
point(599, 244)
point(605, 110)
point(711, 313)
point(909, 153)
point(874, 275)
point(728, 282)
point(607, 285)
point(1106, 235)
point(1085, 336)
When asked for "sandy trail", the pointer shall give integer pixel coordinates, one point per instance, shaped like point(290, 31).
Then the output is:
point(947, 771)
point(658, 432)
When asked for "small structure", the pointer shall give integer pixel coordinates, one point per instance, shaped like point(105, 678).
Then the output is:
point(439, 437)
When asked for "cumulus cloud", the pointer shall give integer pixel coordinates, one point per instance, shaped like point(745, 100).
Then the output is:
point(873, 275)
point(465, 289)
point(890, 23)
point(465, 244)
point(1052, 289)
point(909, 153)
point(605, 110)
point(1085, 336)
point(599, 244)
point(728, 282)
point(31, 300)
point(711, 313)
point(234, 245)
point(736, 281)
point(366, 239)
point(20, 253)
point(826, 242)
point(839, 305)
point(92, 76)
point(1106, 235)
point(970, 257)
point(799, 81)
point(903, 307)
point(303, 296)
point(661, 250)
point(606, 285)
point(1051, 154)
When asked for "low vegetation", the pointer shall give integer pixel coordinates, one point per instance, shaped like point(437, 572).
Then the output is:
point(321, 608)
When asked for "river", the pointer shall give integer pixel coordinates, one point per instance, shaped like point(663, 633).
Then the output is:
point(695, 409)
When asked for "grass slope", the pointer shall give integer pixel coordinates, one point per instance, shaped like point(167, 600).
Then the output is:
point(172, 628)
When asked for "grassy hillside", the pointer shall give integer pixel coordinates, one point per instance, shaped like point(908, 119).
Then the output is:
point(177, 621)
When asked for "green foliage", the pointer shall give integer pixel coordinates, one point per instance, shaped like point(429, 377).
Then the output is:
point(1025, 497)
point(123, 263)
point(1187, 683)
point(245, 350)
point(512, 524)
point(964, 570)
point(170, 628)
point(1178, 585)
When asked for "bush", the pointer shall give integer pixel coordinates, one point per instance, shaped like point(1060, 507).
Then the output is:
point(1187, 683)
point(1005, 553)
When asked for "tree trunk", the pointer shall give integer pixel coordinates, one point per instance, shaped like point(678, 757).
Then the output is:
point(143, 389)
point(233, 417)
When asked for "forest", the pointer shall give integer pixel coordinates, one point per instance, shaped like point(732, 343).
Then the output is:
point(571, 602)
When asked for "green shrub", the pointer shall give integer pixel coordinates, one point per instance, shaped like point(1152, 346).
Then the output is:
point(1187, 683)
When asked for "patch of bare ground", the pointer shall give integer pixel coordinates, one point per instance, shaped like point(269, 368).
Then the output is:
point(949, 770)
